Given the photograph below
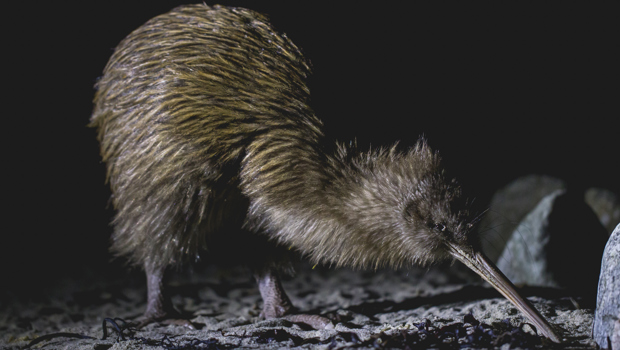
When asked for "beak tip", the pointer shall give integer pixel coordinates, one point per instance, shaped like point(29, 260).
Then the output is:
point(480, 264)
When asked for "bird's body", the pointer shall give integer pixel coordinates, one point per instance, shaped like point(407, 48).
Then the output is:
point(206, 128)
point(183, 143)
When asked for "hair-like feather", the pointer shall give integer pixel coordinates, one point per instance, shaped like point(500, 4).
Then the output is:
point(205, 126)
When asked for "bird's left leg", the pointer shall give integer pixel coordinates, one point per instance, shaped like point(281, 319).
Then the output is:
point(277, 304)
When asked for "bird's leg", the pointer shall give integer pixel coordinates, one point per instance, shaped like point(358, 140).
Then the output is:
point(275, 301)
point(277, 304)
point(159, 308)
point(156, 302)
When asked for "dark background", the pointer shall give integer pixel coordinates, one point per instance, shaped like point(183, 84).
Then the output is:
point(500, 89)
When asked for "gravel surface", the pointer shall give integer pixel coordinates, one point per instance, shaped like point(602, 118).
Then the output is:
point(383, 309)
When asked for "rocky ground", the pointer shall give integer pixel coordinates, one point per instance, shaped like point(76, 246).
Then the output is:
point(383, 309)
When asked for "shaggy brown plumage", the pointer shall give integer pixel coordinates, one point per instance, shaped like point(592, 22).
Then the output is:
point(205, 126)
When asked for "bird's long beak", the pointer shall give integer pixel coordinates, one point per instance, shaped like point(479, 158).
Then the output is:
point(480, 264)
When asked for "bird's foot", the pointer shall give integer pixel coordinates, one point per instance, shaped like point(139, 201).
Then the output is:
point(287, 312)
point(164, 318)
point(315, 321)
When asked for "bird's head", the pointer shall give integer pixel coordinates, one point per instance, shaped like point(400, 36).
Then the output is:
point(417, 215)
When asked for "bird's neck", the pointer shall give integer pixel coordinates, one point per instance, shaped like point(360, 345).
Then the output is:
point(334, 207)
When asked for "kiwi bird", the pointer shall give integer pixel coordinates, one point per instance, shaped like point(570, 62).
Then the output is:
point(204, 120)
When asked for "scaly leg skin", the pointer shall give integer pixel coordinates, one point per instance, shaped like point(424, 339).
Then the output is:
point(277, 304)
point(158, 307)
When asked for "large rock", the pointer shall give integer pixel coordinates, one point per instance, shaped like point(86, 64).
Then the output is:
point(509, 206)
point(560, 244)
point(606, 205)
point(606, 329)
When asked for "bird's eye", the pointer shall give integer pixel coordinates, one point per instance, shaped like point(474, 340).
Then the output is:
point(439, 227)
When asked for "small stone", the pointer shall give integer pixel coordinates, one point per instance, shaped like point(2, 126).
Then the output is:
point(558, 244)
point(509, 206)
point(606, 328)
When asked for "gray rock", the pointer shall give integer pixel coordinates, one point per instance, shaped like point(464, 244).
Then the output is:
point(509, 206)
point(606, 205)
point(606, 329)
point(558, 244)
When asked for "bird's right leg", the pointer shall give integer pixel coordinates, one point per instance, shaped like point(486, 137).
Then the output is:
point(159, 308)
point(156, 303)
